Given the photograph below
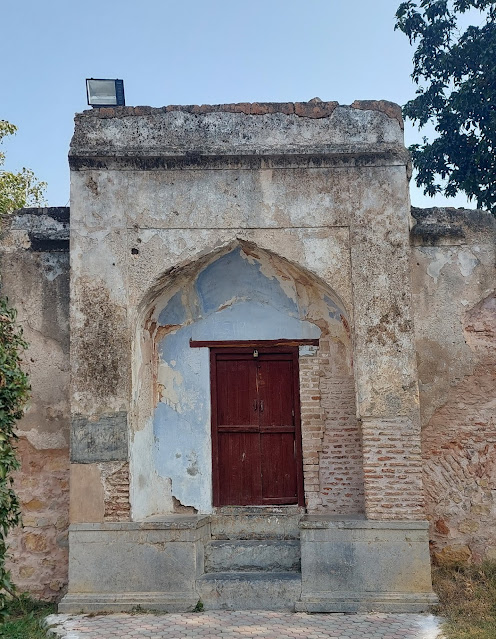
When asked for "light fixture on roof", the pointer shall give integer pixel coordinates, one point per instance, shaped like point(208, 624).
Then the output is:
point(104, 93)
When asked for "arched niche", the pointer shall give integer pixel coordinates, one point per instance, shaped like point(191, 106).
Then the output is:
point(240, 292)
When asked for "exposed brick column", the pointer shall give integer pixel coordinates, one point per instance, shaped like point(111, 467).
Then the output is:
point(115, 480)
point(341, 459)
point(384, 351)
point(312, 425)
point(392, 469)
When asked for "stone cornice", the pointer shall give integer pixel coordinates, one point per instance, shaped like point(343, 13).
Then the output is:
point(182, 137)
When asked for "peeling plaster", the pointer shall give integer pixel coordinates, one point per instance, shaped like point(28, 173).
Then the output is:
point(439, 259)
point(467, 262)
point(52, 266)
point(232, 276)
point(168, 381)
point(242, 294)
point(150, 493)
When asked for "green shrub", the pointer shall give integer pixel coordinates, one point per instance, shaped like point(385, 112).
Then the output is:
point(14, 392)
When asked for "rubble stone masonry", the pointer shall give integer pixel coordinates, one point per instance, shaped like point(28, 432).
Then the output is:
point(453, 272)
point(34, 267)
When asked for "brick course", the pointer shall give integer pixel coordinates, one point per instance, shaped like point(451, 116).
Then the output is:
point(392, 467)
point(341, 458)
point(332, 451)
point(459, 451)
point(311, 428)
point(115, 479)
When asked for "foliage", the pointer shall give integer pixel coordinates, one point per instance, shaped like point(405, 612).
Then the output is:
point(455, 71)
point(17, 189)
point(25, 617)
point(467, 600)
point(199, 606)
point(14, 389)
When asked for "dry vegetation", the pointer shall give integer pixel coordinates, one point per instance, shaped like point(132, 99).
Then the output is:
point(467, 597)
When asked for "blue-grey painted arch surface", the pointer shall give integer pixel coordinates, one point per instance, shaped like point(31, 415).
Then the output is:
point(234, 297)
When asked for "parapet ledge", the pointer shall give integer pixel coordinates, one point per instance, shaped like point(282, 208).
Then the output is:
point(43, 230)
point(315, 108)
point(449, 226)
point(216, 136)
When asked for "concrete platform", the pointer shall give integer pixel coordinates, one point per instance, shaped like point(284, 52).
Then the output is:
point(359, 565)
point(151, 564)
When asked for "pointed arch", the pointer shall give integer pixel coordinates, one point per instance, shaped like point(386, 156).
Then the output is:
point(237, 291)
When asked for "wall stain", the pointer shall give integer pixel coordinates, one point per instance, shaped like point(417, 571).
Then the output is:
point(102, 376)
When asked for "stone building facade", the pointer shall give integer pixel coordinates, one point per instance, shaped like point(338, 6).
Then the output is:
point(223, 257)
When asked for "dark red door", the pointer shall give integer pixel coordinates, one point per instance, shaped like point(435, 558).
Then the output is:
point(255, 427)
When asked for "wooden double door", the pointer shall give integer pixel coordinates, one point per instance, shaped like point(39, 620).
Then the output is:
point(256, 436)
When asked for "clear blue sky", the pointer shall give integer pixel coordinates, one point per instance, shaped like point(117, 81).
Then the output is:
point(191, 52)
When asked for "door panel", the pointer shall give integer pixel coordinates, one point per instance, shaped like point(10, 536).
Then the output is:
point(279, 477)
point(236, 393)
point(255, 435)
point(239, 470)
point(275, 382)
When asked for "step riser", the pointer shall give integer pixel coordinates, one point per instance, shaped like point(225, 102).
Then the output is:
point(245, 593)
point(268, 556)
point(255, 527)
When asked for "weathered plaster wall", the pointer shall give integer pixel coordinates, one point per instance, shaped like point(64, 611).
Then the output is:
point(35, 276)
point(453, 271)
point(321, 186)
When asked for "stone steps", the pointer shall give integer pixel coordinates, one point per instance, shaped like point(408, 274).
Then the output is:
point(263, 525)
point(254, 555)
point(253, 560)
point(249, 590)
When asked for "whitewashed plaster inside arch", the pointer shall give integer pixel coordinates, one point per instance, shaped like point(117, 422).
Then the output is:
point(242, 294)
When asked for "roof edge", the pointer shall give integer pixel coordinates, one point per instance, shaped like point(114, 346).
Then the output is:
point(314, 108)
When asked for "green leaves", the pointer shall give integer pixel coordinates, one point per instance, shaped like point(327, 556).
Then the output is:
point(14, 392)
point(17, 189)
point(456, 74)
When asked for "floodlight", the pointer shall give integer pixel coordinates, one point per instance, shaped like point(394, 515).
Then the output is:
point(102, 93)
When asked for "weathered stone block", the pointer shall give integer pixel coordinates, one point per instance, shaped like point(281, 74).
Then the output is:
point(356, 565)
point(121, 565)
point(453, 554)
point(253, 555)
point(249, 591)
point(87, 499)
point(104, 439)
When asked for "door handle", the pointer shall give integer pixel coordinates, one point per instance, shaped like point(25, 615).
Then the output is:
point(254, 404)
point(261, 406)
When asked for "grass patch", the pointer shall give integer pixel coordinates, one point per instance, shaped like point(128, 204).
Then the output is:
point(24, 619)
point(467, 600)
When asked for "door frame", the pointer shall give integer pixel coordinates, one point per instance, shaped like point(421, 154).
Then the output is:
point(245, 350)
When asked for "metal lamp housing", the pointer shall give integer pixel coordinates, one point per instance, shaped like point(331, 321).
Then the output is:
point(104, 92)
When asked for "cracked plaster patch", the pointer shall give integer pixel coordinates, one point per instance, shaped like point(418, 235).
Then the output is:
point(467, 262)
point(439, 260)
